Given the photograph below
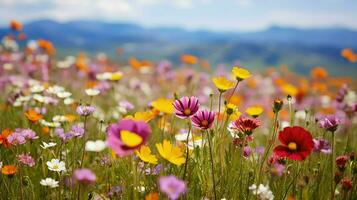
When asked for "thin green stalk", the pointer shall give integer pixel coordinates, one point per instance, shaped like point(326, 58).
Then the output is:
point(187, 149)
point(332, 166)
point(212, 165)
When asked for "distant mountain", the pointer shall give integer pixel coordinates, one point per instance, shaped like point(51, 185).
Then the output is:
point(299, 48)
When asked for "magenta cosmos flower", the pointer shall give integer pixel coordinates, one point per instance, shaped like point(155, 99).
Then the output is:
point(127, 135)
point(244, 125)
point(186, 107)
point(172, 186)
point(203, 119)
point(84, 176)
point(330, 122)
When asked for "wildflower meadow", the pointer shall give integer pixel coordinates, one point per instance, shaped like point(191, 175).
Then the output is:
point(88, 127)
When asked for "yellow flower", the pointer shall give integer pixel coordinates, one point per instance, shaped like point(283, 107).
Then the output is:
point(230, 108)
point(141, 116)
point(116, 76)
point(145, 155)
point(171, 153)
point(222, 83)
point(163, 105)
point(240, 73)
point(254, 111)
point(289, 89)
point(235, 115)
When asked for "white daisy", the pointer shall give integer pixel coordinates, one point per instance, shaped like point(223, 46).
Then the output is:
point(95, 146)
point(47, 145)
point(92, 92)
point(49, 182)
point(56, 165)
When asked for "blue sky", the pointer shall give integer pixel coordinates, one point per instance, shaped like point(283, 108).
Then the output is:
point(218, 15)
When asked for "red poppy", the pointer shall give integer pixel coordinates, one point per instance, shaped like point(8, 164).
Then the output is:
point(297, 143)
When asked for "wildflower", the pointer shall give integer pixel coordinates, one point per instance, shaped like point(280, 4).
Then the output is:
point(322, 145)
point(16, 138)
point(297, 143)
point(240, 73)
point(26, 159)
point(3, 137)
point(247, 151)
point(47, 145)
point(163, 105)
point(127, 135)
point(222, 83)
point(49, 182)
point(27, 133)
point(9, 170)
point(171, 153)
point(33, 116)
point(92, 92)
point(85, 110)
point(318, 72)
point(254, 111)
point(231, 108)
point(346, 184)
point(152, 196)
point(244, 125)
point(95, 146)
point(341, 162)
point(115, 191)
point(262, 191)
point(116, 76)
point(145, 155)
point(277, 169)
point(142, 116)
point(278, 104)
point(186, 107)
point(203, 119)
point(15, 25)
point(172, 186)
point(289, 89)
point(84, 176)
point(330, 123)
point(77, 131)
point(189, 59)
point(56, 165)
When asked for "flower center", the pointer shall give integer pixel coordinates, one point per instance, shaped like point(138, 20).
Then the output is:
point(55, 167)
point(204, 122)
point(292, 146)
point(187, 111)
point(130, 139)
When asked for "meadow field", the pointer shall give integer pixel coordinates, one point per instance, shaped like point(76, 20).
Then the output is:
point(88, 127)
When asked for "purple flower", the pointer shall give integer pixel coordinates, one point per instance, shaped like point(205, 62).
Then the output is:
point(246, 152)
point(172, 186)
point(84, 176)
point(27, 133)
point(186, 107)
point(16, 138)
point(260, 150)
point(26, 159)
point(77, 131)
point(127, 135)
point(203, 119)
point(85, 110)
point(330, 122)
point(126, 104)
point(322, 145)
point(61, 134)
point(115, 191)
point(277, 169)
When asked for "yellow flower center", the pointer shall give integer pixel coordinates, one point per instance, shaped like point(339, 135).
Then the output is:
point(292, 146)
point(130, 139)
point(187, 111)
point(55, 167)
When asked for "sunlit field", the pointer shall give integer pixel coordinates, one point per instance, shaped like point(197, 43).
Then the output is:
point(88, 127)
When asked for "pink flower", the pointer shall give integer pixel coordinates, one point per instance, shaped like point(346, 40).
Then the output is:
point(172, 186)
point(186, 107)
point(203, 119)
point(26, 159)
point(127, 135)
point(84, 176)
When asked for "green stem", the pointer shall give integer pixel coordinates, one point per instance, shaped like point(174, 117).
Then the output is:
point(332, 166)
point(212, 165)
point(187, 150)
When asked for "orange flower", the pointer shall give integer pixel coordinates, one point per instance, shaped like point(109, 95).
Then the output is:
point(9, 170)
point(189, 59)
point(349, 55)
point(47, 46)
point(3, 137)
point(33, 116)
point(152, 196)
point(15, 25)
point(319, 72)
